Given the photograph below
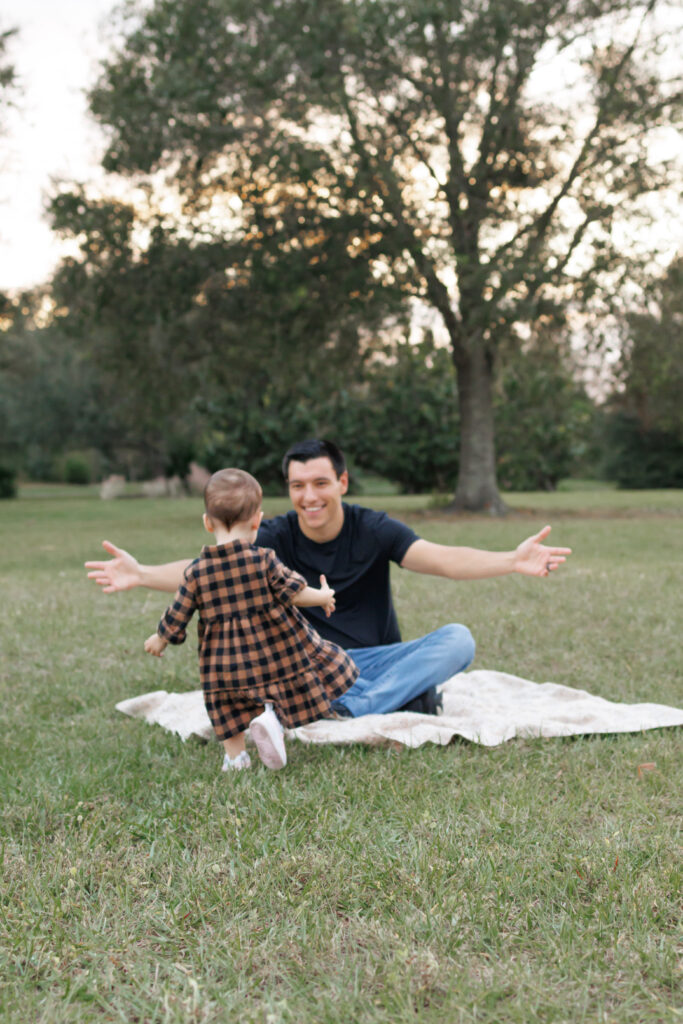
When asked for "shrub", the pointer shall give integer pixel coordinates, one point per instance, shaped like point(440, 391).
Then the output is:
point(76, 470)
point(8, 482)
point(403, 424)
point(544, 422)
point(641, 459)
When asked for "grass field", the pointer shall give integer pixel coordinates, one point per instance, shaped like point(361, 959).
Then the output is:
point(536, 881)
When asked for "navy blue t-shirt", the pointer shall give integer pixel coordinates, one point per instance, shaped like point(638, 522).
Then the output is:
point(356, 565)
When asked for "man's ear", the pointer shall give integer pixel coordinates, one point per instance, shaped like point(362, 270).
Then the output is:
point(208, 525)
point(344, 481)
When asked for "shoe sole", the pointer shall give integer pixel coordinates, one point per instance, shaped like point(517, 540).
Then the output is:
point(268, 750)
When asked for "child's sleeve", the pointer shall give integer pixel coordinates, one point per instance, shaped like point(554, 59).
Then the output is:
point(174, 621)
point(284, 583)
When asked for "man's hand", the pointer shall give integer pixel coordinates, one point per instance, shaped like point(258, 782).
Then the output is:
point(121, 573)
point(155, 645)
point(533, 558)
point(124, 572)
point(327, 595)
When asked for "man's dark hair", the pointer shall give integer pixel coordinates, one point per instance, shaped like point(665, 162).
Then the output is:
point(304, 451)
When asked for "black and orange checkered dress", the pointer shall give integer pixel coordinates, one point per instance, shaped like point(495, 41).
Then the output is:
point(254, 645)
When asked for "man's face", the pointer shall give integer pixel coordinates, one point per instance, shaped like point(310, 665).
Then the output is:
point(316, 493)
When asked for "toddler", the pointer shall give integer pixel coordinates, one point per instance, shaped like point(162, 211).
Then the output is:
point(256, 649)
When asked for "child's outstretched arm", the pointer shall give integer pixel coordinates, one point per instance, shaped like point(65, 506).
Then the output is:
point(172, 628)
point(309, 597)
point(155, 645)
point(290, 587)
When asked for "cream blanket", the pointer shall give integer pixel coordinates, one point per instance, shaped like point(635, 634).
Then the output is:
point(482, 706)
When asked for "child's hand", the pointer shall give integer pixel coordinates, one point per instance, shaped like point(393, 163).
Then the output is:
point(327, 595)
point(155, 645)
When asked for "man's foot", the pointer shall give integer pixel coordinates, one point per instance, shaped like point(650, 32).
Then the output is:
point(236, 764)
point(428, 703)
point(267, 734)
point(339, 710)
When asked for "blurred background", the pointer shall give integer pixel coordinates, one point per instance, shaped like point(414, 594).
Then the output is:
point(445, 234)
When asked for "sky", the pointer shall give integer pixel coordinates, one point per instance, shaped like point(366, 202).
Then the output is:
point(48, 137)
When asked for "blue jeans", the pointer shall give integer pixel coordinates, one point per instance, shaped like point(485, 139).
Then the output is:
point(392, 675)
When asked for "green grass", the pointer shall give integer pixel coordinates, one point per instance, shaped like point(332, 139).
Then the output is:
point(536, 881)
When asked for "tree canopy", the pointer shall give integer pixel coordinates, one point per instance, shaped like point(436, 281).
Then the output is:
point(473, 154)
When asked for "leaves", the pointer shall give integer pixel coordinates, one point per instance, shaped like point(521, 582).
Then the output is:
point(8, 74)
point(330, 162)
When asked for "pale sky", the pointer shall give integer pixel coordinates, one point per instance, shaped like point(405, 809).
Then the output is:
point(48, 136)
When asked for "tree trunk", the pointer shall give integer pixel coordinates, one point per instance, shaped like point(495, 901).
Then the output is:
point(477, 489)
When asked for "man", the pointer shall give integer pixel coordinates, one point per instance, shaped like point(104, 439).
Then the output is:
point(352, 547)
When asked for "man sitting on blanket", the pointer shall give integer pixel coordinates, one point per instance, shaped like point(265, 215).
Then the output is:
point(352, 547)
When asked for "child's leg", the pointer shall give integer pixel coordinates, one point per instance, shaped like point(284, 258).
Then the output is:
point(221, 711)
point(234, 745)
point(236, 756)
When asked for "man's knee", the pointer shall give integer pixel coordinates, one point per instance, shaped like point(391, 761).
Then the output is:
point(459, 643)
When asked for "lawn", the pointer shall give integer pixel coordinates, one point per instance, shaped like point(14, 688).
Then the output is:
point(536, 881)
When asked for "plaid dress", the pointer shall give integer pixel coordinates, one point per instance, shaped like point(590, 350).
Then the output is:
point(254, 644)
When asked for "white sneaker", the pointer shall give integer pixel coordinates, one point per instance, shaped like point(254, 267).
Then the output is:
point(268, 737)
point(236, 764)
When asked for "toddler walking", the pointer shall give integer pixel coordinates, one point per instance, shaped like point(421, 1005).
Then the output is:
point(256, 649)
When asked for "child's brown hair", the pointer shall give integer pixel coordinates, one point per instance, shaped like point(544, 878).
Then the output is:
point(232, 496)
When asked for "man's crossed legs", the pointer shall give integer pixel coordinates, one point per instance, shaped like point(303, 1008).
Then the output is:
point(395, 674)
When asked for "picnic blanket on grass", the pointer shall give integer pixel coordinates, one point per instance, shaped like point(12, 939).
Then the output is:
point(482, 706)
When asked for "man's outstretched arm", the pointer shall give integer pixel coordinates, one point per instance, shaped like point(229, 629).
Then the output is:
point(124, 572)
point(530, 558)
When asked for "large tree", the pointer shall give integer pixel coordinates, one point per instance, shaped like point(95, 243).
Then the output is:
point(476, 152)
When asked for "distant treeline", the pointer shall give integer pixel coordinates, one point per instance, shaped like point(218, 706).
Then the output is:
point(68, 414)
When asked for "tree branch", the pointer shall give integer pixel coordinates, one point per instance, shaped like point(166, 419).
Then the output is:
point(404, 231)
point(542, 223)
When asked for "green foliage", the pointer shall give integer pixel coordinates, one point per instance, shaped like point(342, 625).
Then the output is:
point(643, 424)
point(77, 470)
point(393, 409)
point(637, 458)
point(8, 74)
point(206, 348)
point(544, 421)
point(8, 482)
point(402, 422)
point(650, 371)
point(129, 313)
point(51, 397)
point(414, 137)
point(257, 436)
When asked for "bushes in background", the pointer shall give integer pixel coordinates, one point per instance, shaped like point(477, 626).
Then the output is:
point(8, 482)
point(641, 459)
